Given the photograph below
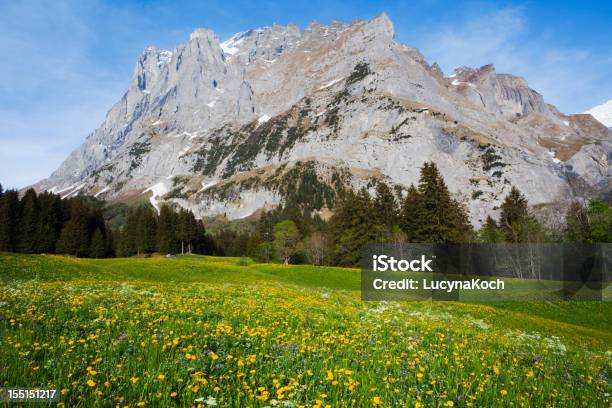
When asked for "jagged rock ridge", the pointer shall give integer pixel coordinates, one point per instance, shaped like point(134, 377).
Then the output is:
point(280, 114)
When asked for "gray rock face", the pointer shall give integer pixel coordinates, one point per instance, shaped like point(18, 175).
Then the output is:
point(278, 115)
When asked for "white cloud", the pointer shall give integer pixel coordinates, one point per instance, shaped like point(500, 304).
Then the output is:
point(54, 91)
point(481, 38)
point(570, 78)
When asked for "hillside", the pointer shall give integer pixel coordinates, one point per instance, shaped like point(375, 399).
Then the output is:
point(195, 329)
point(279, 114)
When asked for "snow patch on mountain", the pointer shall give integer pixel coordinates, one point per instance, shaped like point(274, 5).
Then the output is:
point(602, 113)
point(263, 119)
point(158, 190)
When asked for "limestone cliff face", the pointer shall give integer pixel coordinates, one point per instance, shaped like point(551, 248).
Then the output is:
point(282, 115)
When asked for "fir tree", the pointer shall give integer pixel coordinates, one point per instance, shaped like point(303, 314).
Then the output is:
point(166, 230)
point(385, 207)
point(128, 244)
point(514, 217)
point(124, 247)
point(147, 230)
point(440, 219)
point(9, 219)
point(203, 243)
point(352, 226)
point(186, 230)
point(192, 231)
point(28, 238)
point(74, 238)
point(97, 248)
point(265, 227)
point(50, 221)
point(409, 216)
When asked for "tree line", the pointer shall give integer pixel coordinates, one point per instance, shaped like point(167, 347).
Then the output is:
point(46, 223)
point(425, 213)
point(168, 232)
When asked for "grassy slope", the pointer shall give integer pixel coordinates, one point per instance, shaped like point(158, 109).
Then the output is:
point(568, 319)
point(274, 294)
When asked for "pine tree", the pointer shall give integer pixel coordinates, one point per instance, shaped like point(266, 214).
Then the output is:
point(74, 238)
point(112, 237)
point(265, 227)
point(409, 216)
point(139, 234)
point(440, 219)
point(192, 231)
point(9, 220)
point(385, 207)
point(460, 228)
point(183, 229)
point(166, 230)
point(147, 226)
point(203, 243)
point(352, 226)
point(128, 238)
point(28, 239)
point(97, 248)
point(124, 247)
point(50, 221)
point(514, 217)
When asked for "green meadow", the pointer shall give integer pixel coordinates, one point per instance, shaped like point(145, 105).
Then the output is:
point(211, 331)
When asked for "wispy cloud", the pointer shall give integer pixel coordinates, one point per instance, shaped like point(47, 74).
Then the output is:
point(507, 39)
point(489, 37)
point(53, 93)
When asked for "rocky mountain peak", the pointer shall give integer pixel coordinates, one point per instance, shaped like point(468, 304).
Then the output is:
point(149, 66)
point(202, 33)
point(503, 95)
point(382, 25)
point(265, 43)
point(278, 115)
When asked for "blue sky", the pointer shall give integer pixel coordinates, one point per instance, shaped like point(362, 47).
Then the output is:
point(65, 62)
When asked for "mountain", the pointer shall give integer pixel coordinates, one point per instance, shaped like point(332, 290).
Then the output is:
point(283, 115)
point(602, 113)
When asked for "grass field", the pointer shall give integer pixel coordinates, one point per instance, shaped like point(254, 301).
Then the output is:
point(205, 331)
